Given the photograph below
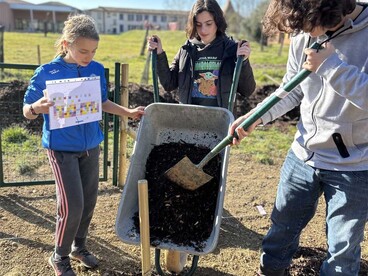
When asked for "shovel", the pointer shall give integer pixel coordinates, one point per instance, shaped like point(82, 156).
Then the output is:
point(234, 84)
point(191, 176)
point(156, 97)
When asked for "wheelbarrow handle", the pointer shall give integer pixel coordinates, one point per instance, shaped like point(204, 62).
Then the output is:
point(260, 111)
point(154, 75)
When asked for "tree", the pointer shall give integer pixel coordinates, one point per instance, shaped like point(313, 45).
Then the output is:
point(253, 23)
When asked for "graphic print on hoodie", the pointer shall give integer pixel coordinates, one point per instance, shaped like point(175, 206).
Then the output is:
point(206, 73)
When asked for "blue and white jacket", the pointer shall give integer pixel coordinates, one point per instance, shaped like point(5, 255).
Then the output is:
point(75, 138)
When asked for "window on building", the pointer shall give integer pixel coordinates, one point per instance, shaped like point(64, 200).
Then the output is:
point(163, 18)
point(121, 16)
point(154, 18)
point(121, 28)
point(139, 17)
point(146, 16)
point(21, 24)
point(130, 17)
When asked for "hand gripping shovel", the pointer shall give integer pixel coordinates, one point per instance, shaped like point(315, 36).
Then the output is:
point(191, 176)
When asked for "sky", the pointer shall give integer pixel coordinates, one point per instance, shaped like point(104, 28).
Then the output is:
point(135, 4)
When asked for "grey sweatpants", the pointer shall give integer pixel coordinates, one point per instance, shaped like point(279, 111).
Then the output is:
point(76, 176)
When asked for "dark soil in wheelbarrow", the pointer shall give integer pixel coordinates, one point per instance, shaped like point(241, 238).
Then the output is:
point(178, 215)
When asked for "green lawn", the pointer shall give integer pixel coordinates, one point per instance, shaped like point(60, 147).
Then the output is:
point(27, 48)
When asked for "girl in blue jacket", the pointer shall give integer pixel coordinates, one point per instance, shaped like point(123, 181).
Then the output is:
point(73, 151)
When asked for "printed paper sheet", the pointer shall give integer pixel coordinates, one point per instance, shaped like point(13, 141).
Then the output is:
point(77, 101)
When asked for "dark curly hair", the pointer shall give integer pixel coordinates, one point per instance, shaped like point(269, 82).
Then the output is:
point(294, 16)
point(213, 8)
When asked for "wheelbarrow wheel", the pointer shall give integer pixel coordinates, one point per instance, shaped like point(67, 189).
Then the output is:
point(175, 260)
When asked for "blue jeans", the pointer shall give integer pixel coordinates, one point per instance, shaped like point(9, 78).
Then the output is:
point(346, 196)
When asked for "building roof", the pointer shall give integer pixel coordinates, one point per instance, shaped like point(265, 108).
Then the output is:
point(14, 2)
point(150, 11)
point(46, 6)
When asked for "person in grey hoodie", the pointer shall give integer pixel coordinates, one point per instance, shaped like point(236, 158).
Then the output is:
point(329, 154)
point(202, 70)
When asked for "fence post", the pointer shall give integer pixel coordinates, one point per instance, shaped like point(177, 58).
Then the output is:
point(124, 101)
point(2, 28)
point(116, 127)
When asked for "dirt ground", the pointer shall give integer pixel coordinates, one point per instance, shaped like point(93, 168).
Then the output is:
point(27, 223)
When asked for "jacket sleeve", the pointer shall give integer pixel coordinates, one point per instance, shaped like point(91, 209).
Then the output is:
point(36, 86)
point(247, 83)
point(348, 81)
point(168, 76)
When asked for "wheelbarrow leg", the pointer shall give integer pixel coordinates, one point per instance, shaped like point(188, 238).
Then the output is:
point(159, 269)
point(175, 260)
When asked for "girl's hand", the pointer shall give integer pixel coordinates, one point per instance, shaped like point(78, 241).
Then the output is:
point(152, 44)
point(243, 49)
point(315, 59)
point(42, 105)
point(136, 113)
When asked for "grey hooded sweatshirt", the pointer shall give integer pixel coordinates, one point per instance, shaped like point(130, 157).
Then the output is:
point(332, 132)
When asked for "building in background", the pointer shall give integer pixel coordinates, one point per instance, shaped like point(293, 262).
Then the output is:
point(17, 15)
point(119, 20)
point(22, 16)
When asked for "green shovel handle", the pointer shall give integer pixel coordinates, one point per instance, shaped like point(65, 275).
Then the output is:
point(259, 112)
point(156, 97)
point(234, 84)
point(235, 81)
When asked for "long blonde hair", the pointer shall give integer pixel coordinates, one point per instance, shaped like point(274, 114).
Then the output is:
point(80, 25)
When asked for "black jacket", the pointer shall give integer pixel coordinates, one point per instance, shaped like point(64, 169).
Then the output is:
point(180, 73)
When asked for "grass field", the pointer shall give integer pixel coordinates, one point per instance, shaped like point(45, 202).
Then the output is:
point(30, 48)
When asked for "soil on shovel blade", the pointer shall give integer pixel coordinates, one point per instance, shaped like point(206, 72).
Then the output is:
point(177, 215)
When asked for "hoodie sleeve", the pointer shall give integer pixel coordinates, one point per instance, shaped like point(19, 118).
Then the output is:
point(348, 81)
point(168, 76)
point(247, 83)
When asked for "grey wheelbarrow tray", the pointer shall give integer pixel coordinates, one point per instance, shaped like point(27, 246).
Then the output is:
point(165, 123)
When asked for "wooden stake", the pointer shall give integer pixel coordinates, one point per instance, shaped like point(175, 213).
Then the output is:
point(144, 227)
point(124, 101)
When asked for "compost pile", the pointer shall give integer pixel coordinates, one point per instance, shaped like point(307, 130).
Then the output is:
point(177, 215)
point(11, 104)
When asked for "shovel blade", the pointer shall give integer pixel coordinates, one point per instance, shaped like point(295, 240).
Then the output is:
point(187, 175)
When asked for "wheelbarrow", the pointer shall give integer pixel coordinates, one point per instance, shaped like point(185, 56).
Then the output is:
point(173, 123)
